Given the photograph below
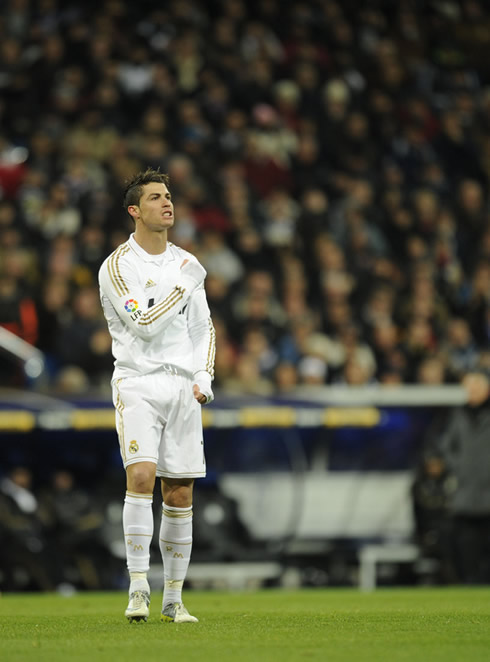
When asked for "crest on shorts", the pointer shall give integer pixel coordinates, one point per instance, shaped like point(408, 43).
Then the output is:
point(133, 446)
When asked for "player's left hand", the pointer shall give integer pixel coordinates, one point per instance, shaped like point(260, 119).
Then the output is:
point(201, 397)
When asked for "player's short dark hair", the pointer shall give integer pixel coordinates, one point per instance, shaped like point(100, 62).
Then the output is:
point(133, 189)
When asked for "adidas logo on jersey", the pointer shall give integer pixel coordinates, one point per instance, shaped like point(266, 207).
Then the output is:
point(149, 283)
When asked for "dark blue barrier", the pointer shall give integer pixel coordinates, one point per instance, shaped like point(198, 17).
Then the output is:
point(255, 436)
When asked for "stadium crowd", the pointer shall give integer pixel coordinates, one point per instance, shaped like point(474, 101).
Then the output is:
point(329, 166)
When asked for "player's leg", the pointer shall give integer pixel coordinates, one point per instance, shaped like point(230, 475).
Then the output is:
point(138, 441)
point(176, 546)
point(138, 534)
point(180, 461)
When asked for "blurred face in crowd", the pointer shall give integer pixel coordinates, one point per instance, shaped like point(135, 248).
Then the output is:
point(22, 477)
point(459, 332)
point(355, 373)
point(477, 388)
point(471, 195)
point(434, 466)
point(431, 372)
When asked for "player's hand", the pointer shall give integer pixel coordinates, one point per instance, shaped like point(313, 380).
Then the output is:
point(201, 397)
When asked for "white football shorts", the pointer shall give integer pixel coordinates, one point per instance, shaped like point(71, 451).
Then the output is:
point(158, 420)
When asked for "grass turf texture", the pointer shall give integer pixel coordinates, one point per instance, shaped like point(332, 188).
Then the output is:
point(338, 625)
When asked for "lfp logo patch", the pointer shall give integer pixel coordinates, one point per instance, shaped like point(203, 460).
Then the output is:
point(132, 308)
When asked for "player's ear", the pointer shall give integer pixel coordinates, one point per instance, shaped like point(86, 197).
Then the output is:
point(134, 211)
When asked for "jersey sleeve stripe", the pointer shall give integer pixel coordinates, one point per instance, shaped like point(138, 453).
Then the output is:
point(115, 273)
point(110, 268)
point(156, 311)
point(111, 275)
point(167, 304)
point(124, 287)
point(211, 349)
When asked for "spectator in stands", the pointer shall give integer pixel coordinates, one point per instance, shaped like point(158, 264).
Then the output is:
point(286, 378)
point(419, 343)
point(431, 371)
point(385, 342)
point(312, 371)
point(459, 348)
point(355, 372)
point(58, 215)
point(256, 304)
point(247, 379)
point(13, 232)
point(218, 259)
point(477, 304)
point(83, 339)
point(25, 556)
point(73, 523)
point(18, 315)
point(431, 491)
point(294, 341)
point(53, 306)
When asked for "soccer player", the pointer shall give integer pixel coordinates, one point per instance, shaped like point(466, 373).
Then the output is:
point(163, 341)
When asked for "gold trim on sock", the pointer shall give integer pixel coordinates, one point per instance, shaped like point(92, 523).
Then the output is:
point(137, 495)
point(172, 513)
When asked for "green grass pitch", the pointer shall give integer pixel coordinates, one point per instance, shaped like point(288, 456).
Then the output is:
point(332, 625)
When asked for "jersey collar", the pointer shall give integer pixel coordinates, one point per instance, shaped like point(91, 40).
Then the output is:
point(166, 256)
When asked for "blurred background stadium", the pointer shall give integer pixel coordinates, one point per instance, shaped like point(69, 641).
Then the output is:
point(329, 164)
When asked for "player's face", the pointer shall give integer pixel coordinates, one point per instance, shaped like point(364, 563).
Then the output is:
point(155, 210)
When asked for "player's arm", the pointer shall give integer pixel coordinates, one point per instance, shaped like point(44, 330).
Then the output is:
point(203, 336)
point(128, 298)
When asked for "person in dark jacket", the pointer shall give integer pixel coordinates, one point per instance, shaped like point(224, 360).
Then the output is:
point(465, 446)
point(430, 491)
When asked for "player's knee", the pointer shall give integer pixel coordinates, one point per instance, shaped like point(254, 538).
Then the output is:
point(180, 498)
point(141, 478)
point(178, 495)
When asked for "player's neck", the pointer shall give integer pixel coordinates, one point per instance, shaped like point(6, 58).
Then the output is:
point(154, 243)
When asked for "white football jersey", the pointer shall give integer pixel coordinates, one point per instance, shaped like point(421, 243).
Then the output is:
point(157, 313)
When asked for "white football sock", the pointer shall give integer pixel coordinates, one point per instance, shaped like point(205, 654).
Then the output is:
point(175, 546)
point(138, 532)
